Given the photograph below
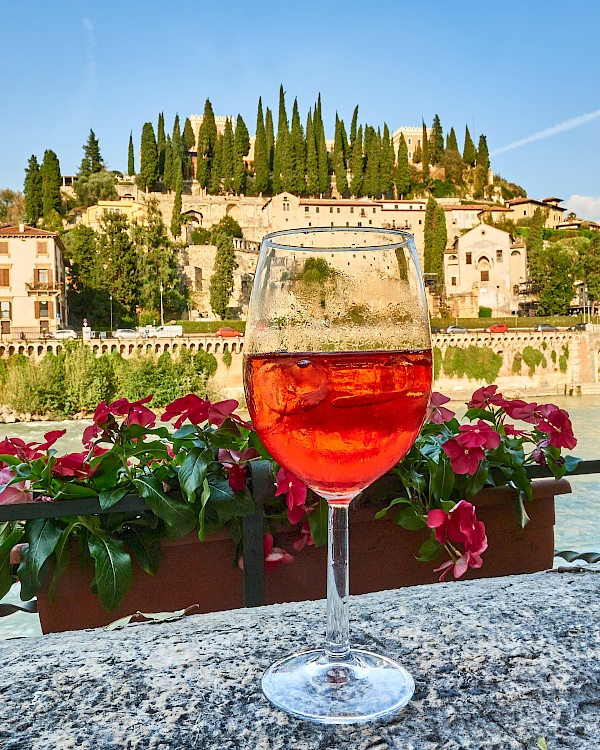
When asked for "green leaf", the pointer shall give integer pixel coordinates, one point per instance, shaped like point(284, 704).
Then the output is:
point(204, 497)
point(477, 481)
point(520, 480)
point(6, 577)
point(522, 517)
point(154, 447)
point(42, 535)
point(410, 518)
point(73, 491)
point(229, 505)
point(441, 482)
point(145, 543)
point(185, 431)
point(429, 550)
point(571, 463)
point(318, 522)
point(178, 515)
point(473, 413)
point(193, 471)
point(10, 460)
point(108, 498)
point(113, 571)
point(61, 554)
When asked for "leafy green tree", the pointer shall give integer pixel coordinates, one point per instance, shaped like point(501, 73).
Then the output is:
point(216, 169)
point(51, 184)
point(588, 267)
point(98, 186)
point(92, 160)
point(557, 269)
point(436, 147)
point(425, 148)
point(338, 158)
point(451, 142)
point(12, 206)
point(402, 176)
point(322, 155)
point(358, 164)
point(228, 226)
point(176, 216)
point(161, 145)
point(353, 133)
point(178, 155)
point(228, 157)
point(483, 156)
point(148, 173)
point(261, 155)
point(417, 157)
point(270, 136)
point(453, 166)
point(130, 156)
point(119, 255)
point(386, 163)
point(534, 245)
point(207, 144)
point(469, 153)
point(189, 139)
point(435, 239)
point(298, 153)
point(312, 160)
point(168, 166)
point(371, 183)
point(221, 282)
point(88, 294)
point(242, 148)
point(282, 157)
point(34, 200)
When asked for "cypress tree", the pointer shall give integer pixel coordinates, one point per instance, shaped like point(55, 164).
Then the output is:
point(51, 184)
point(161, 142)
point(483, 156)
point(34, 202)
point(298, 153)
point(241, 148)
point(177, 153)
point(92, 160)
point(312, 161)
point(371, 182)
point(176, 217)
point(356, 181)
point(386, 184)
point(130, 157)
point(207, 143)
point(228, 157)
point(261, 156)
point(353, 132)
point(322, 155)
point(221, 282)
point(435, 239)
point(425, 150)
point(270, 136)
point(282, 156)
point(534, 245)
point(417, 156)
point(345, 144)
point(148, 173)
point(339, 159)
point(469, 153)
point(189, 140)
point(402, 169)
point(436, 147)
point(451, 142)
point(216, 169)
point(168, 166)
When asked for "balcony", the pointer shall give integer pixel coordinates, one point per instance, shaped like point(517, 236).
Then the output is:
point(45, 287)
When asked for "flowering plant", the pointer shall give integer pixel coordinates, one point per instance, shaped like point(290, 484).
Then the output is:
point(192, 476)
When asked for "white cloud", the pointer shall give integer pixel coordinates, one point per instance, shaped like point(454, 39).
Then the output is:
point(585, 206)
point(562, 127)
point(87, 24)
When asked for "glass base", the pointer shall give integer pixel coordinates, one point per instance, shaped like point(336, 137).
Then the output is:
point(311, 686)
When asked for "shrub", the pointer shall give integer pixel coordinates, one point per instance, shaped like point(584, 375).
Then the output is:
point(532, 358)
point(227, 358)
point(474, 362)
point(437, 362)
point(516, 365)
point(563, 359)
point(485, 312)
point(200, 236)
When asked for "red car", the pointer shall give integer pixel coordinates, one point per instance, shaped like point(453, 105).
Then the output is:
point(497, 328)
point(225, 332)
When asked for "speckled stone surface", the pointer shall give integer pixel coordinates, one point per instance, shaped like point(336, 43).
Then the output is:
point(498, 663)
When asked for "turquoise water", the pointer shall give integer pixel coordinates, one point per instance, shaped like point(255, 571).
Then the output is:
point(577, 515)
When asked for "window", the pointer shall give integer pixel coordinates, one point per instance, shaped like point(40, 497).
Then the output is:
point(515, 290)
point(3, 248)
point(41, 276)
point(374, 209)
point(485, 275)
point(498, 256)
point(338, 209)
point(5, 311)
point(410, 154)
point(410, 141)
point(42, 309)
point(525, 212)
point(351, 209)
point(396, 206)
point(4, 276)
point(41, 248)
point(454, 281)
point(286, 206)
point(363, 212)
point(330, 209)
point(306, 209)
point(468, 258)
point(317, 209)
point(418, 142)
point(360, 223)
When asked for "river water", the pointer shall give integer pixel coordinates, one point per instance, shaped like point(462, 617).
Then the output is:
point(577, 515)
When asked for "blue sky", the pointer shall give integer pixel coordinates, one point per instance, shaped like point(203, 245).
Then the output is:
point(511, 70)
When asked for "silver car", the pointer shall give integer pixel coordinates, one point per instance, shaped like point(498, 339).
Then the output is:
point(128, 333)
point(64, 333)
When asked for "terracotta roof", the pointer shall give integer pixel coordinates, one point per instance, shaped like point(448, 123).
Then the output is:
point(543, 204)
point(337, 202)
point(551, 199)
point(495, 208)
point(465, 207)
point(14, 230)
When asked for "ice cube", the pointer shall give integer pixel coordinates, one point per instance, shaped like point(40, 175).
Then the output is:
point(292, 385)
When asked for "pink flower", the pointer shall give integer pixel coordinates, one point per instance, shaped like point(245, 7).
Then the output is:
point(486, 396)
point(518, 409)
point(15, 493)
point(222, 410)
point(438, 414)
point(557, 424)
point(272, 555)
point(73, 465)
point(479, 435)
point(134, 411)
point(232, 461)
point(29, 451)
point(511, 431)
point(50, 438)
point(295, 491)
point(304, 538)
point(459, 526)
point(538, 453)
point(463, 460)
point(190, 407)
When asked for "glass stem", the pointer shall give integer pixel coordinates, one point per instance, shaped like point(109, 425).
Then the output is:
point(337, 645)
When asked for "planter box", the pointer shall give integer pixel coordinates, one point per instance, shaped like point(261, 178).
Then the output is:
point(382, 556)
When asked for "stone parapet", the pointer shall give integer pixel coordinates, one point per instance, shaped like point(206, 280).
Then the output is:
point(497, 663)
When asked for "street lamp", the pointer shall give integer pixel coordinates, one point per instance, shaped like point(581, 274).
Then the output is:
point(111, 317)
point(162, 316)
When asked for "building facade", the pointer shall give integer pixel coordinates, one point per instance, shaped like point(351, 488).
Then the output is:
point(32, 281)
point(127, 205)
point(524, 208)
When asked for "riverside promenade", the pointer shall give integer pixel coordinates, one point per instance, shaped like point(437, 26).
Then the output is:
point(498, 664)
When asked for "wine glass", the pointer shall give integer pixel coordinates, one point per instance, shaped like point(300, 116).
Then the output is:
point(337, 373)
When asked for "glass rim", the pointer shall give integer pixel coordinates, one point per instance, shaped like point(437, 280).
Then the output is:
point(407, 238)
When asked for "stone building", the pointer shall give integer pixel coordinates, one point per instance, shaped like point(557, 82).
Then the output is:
point(523, 208)
point(127, 204)
point(32, 281)
point(484, 268)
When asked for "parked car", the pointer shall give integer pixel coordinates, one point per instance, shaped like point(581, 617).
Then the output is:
point(128, 333)
point(435, 329)
point(497, 328)
point(225, 332)
point(456, 329)
point(578, 327)
point(164, 332)
point(545, 327)
point(64, 333)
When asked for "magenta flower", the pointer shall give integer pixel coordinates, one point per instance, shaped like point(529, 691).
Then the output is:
point(481, 435)
point(295, 492)
point(463, 460)
point(518, 409)
point(304, 538)
point(538, 452)
point(459, 526)
point(15, 493)
point(556, 423)
point(438, 414)
point(511, 431)
point(272, 555)
point(486, 396)
point(190, 407)
point(232, 461)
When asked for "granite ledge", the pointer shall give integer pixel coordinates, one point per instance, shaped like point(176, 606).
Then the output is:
point(497, 664)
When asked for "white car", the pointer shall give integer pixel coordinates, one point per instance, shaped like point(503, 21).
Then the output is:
point(64, 333)
point(128, 333)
